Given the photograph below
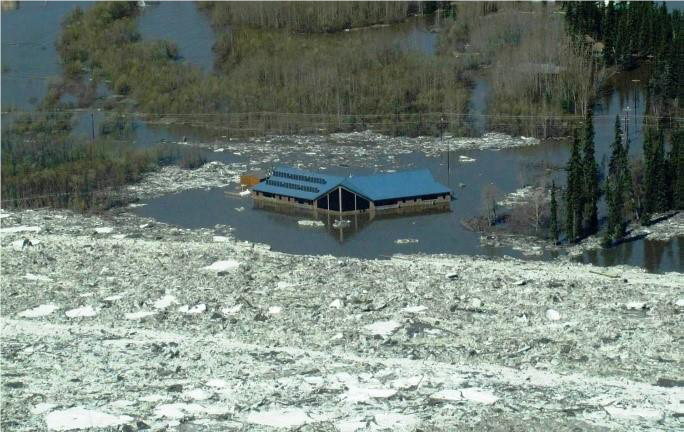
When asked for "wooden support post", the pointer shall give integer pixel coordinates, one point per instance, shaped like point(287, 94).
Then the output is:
point(339, 193)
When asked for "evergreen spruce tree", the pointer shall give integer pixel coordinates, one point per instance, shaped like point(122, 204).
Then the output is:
point(617, 188)
point(573, 194)
point(554, 214)
point(590, 187)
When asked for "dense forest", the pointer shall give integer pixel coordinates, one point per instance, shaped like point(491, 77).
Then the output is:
point(631, 33)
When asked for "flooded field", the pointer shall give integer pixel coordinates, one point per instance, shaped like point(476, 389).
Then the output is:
point(33, 28)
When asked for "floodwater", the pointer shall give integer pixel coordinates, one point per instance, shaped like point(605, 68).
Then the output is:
point(183, 24)
point(30, 59)
point(29, 56)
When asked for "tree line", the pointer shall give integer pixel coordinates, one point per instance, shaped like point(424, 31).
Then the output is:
point(633, 190)
point(264, 63)
point(308, 17)
point(632, 32)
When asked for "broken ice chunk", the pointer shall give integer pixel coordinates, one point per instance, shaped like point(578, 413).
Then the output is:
point(275, 310)
point(81, 418)
point(222, 266)
point(104, 230)
point(193, 310)
point(81, 312)
point(165, 302)
point(383, 328)
point(38, 311)
point(552, 315)
point(139, 315)
point(414, 309)
point(231, 310)
point(471, 394)
point(279, 418)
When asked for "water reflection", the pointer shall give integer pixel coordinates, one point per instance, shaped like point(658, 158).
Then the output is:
point(653, 255)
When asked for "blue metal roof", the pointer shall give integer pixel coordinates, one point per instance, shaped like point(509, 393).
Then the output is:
point(298, 183)
point(403, 184)
point(310, 185)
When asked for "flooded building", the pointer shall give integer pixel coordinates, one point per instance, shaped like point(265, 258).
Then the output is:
point(385, 192)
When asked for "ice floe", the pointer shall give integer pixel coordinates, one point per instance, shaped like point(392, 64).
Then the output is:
point(38, 311)
point(382, 328)
point(468, 394)
point(81, 312)
point(165, 302)
point(19, 229)
point(37, 278)
point(197, 309)
point(222, 266)
point(138, 315)
point(81, 418)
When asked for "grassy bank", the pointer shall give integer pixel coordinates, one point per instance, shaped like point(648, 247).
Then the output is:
point(44, 166)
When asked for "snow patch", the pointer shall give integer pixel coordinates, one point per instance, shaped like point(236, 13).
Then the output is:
point(38, 311)
point(383, 328)
point(83, 311)
point(81, 418)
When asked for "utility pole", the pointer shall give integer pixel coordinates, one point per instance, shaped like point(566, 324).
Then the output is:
point(442, 125)
point(92, 126)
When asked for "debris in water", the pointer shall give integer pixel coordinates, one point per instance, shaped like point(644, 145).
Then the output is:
point(465, 159)
point(311, 223)
point(341, 223)
point(406, 241)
